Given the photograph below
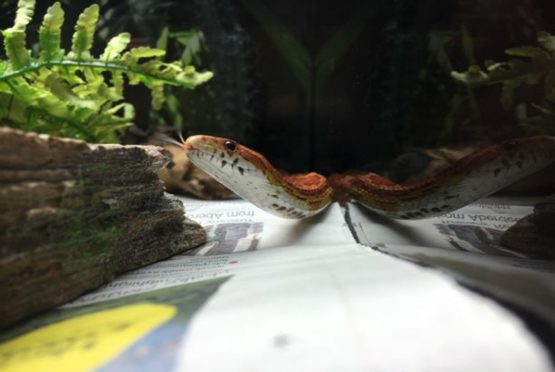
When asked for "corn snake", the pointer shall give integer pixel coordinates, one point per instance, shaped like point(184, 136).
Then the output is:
point(251, 176)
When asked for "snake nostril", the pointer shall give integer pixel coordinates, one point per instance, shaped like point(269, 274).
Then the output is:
point(230, 145)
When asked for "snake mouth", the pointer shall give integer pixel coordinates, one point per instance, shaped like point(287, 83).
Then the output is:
point(190, 142)
point(187, 146)
point(201, 144)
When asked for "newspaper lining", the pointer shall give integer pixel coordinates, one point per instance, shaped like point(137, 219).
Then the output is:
point(278, 294)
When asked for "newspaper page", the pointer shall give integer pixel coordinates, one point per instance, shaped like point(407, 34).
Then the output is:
point(266, 293)
point(466, 244)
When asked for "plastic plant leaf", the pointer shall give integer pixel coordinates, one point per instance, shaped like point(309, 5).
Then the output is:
point(84, 32)
point(50, 33)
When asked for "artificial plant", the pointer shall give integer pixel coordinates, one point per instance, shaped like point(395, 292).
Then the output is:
point(530, 65)
point(74, 93)
point(191, 45)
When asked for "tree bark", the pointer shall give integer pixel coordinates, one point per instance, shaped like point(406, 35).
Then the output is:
point(74, 215)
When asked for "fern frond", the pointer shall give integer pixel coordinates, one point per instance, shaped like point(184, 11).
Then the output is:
point(14, 37)
point(117, 82)
point(62, 90)
point(115, 46)
point(84, 33)
point(547, 41)
point(135, 54)
point(529, 65)
point(14, 45)
point(157, 89)
point(75, 94)
point(50, 33)
point(190, 77)
point(25, 10)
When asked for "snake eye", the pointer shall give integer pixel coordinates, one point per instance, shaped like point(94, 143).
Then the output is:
point(230, 145)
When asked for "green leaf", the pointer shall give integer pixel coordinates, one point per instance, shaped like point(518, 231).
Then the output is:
point(474, 75)
point(25, 10)
point(62, 90)
point(117, 82)
point(547, 41)
point(525, 51)
point(173, 106)
point(190, 78)
point(194, 43)
point(533, 65)
point(14, 45)
point(157, 95)
point(84, 33)
point(14, 37)
point(50, 33)
point(144, 52)
point(162, 42)
point(115, 46)
point(76, 94)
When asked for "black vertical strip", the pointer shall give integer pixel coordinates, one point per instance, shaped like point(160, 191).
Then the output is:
point(311, 99)
point(349, 222)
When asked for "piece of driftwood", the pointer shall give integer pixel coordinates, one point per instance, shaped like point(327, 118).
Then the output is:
point(533, 235)
point(73, 215)
point(181, 175)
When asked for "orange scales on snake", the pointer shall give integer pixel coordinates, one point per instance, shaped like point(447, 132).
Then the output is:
point(252, 177)
point(297, 196)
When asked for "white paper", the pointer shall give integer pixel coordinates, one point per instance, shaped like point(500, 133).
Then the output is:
point(232, 227)
point(465, 243)
point(474, 228)
point(348, 308)
point(304, 296)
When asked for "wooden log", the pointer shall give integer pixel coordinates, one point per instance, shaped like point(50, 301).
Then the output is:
point(74, 215)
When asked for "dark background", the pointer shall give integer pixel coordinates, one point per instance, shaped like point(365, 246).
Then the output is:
point(387, 89)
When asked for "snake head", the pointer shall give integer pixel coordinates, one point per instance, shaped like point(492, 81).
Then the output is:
point(212, 144)
point(220, 157)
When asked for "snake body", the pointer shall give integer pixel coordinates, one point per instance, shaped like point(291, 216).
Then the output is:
point(251, 176)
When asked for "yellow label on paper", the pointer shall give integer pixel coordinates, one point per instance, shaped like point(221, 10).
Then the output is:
point(84, 342)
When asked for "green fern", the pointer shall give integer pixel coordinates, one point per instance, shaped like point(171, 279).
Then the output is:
point(530, 65)
point(76, 94)
point(50, 35)
point(84, 32)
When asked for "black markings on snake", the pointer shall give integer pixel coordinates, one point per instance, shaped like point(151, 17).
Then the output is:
point(241, 170)
point(224, 163)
